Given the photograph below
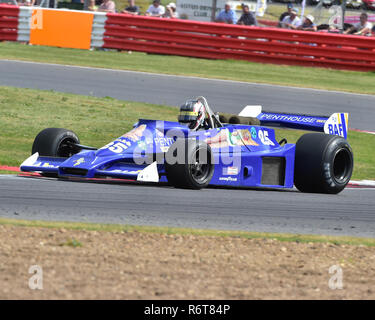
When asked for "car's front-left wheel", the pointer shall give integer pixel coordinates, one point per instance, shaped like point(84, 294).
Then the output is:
point(55, 142)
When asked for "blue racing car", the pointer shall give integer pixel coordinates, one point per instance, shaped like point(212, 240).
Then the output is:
point(205, 148)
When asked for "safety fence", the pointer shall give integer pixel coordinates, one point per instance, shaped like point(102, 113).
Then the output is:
point(80, 29)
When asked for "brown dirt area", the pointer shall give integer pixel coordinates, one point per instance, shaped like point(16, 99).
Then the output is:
point(141, 265)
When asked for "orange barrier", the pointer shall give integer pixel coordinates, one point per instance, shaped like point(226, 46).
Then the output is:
point(60, 28)
point(222, 41)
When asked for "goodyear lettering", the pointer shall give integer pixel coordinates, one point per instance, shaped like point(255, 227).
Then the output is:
point(227, 179)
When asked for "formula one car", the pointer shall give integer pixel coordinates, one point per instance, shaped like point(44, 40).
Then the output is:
point(205, 148)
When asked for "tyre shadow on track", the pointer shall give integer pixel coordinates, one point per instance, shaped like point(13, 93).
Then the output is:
point(149, 184)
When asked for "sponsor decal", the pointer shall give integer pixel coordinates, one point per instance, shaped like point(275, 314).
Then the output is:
point(142, 145)
point(44, 165)
point(126, 171)
point(135, 134)
point(253, 133)
point(336, 129)
point(125, 141)
point(164, 143)
point(337, 124)
point(246, 137)
point(225, 138)
point(228, 179)
point(290, 118)
point(230, 171)
point(78, 162)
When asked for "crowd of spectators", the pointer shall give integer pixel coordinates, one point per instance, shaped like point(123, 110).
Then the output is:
point(156, 9)
point(290, 20)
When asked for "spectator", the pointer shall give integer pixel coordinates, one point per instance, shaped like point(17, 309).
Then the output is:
point(247, 17)
point(288, 11)
point(308, 24)
point(362, 28)
point(227, 15)
point(27, 3)
point(291, 21)
point(92, 6)
point(131, 8)
point(171, 11)
point(155, 10)
point(107, 6)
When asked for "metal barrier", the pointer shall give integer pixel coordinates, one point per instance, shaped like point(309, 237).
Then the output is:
point(222, 41)
point(8, 22)
point(191, 38)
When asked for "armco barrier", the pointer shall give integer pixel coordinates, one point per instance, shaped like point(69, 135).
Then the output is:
point(221, 41)
point(186, 38)
point(8, 22)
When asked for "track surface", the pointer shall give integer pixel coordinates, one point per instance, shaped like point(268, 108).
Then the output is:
point(349, 213)
point(228, 96)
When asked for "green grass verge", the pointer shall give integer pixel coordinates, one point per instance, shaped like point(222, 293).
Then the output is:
point(318, 78)
point(187, 231)
point(97, 121)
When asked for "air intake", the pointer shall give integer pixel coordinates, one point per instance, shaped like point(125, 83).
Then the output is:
point(273, 171)
point(74, 171)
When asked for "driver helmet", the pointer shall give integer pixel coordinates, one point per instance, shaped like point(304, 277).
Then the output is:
point(192, 113)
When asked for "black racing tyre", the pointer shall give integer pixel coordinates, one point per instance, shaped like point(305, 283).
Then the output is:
point(189, 164)
point(54, 142)
point(323, 163)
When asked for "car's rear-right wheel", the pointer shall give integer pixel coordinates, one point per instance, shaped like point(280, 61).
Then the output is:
point(323, 163)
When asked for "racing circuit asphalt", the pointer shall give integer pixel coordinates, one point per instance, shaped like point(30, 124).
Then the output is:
point(225, 96)
point(349, 213)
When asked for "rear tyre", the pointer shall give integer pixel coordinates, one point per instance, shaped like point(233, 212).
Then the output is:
point(54, 142)
point(189, 164)
point(323, 163)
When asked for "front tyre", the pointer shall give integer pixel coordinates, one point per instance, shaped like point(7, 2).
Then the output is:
point(189, 164)
point(55, 142)
point(323, 163)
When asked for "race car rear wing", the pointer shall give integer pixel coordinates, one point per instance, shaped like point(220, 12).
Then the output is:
point(336, 124)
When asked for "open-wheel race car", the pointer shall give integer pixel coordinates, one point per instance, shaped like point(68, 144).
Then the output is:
point(205, 148)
